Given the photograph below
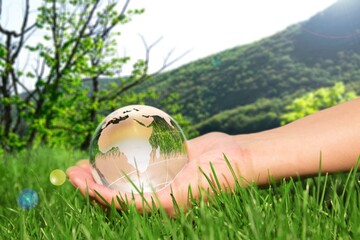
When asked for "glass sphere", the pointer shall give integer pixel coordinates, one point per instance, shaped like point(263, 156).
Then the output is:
point(137, 148)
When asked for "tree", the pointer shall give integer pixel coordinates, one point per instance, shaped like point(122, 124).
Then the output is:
point(317, 100)
point(78, 45)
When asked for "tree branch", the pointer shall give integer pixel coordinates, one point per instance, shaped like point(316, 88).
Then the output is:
point(55, 39)
point(80, 37)
point(119, 16)
point(145, 76)
point(22, 31)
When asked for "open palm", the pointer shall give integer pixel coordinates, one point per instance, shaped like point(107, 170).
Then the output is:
point(202, 150)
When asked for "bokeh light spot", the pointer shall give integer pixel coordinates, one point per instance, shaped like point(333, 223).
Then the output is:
point(28, 199)
point(57, 177)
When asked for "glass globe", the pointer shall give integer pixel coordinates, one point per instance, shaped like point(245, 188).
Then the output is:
point(137, 148)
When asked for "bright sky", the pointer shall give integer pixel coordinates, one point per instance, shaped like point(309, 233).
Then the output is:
point(202, 26)
point(210, 26)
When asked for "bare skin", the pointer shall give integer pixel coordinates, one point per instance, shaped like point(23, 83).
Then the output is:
point(332, 135)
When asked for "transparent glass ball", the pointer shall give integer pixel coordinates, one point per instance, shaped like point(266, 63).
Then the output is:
point(137, 148)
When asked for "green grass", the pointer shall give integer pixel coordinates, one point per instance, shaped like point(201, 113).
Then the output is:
point(324, 207)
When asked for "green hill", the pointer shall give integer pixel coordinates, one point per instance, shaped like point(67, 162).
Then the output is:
point(244, 89)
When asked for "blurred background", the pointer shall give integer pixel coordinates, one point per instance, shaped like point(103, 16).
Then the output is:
point(230, 66)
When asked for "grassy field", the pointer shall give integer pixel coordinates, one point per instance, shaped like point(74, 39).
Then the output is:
point(324, 207)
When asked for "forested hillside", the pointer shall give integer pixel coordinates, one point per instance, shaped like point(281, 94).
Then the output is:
point(245, 89)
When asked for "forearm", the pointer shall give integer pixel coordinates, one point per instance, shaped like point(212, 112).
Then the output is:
point(331, 135)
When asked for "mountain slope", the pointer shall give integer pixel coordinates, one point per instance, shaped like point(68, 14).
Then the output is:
point(319, 52)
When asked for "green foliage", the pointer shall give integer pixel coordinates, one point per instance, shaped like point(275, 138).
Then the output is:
point(78, 48)
point(315, 101)
point(261, 115)
point(283, 66)
point(323, 207)
point(218, 93)
point(171, 105)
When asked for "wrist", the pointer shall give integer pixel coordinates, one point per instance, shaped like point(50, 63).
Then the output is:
point(267, 155)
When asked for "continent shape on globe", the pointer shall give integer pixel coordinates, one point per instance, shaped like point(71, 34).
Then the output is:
point(141, 144)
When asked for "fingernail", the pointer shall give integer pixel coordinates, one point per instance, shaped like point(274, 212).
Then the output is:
point(82, 163)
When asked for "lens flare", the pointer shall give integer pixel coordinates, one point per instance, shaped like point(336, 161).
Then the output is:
point(57, 177)
point(28, 199)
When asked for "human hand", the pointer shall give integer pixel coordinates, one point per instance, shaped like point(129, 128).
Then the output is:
point(202, 150)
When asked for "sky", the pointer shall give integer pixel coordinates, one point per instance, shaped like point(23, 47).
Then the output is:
point(206, 27)
point(202, 27)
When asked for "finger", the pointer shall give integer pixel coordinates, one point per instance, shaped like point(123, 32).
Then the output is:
point(80, 178)
point(83, 163)
point(78, 172)
point(107, 196)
